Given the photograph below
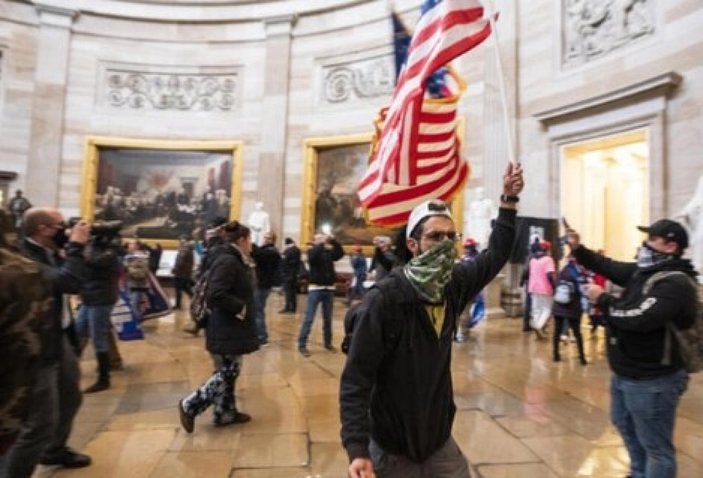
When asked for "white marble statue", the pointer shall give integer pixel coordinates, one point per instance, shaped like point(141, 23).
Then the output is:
point(260, 223)
point(482, 211)
point(692, 216)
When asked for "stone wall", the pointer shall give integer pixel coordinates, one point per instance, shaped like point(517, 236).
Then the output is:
point(281, 78)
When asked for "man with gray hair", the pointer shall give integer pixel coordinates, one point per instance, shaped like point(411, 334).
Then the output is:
point(55, 396)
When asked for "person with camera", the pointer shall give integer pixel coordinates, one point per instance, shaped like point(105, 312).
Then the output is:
point(649, 372)
point(321, 257)
point(98, 297)
point(55, 396)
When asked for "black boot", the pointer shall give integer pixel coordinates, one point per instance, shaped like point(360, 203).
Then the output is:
point(103, 382)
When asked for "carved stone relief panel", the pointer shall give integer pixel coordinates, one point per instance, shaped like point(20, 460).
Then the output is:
point(592, 29)
point(360, 79)
point(170, 88)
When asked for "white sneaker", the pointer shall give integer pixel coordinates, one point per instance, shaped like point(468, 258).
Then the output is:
point(564, 338)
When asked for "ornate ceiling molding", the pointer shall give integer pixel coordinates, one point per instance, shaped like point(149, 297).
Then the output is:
point(205, 11)
point(655, 86)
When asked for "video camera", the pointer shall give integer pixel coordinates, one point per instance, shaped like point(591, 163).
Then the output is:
point(102, 232)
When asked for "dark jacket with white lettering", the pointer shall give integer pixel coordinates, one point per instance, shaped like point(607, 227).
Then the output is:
point(403, 397)
point(636, 323)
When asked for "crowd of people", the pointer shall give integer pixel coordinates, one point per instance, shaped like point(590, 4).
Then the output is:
point(396, 395)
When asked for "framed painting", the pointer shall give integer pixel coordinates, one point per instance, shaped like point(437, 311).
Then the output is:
point(333, 168)
point(160, 190)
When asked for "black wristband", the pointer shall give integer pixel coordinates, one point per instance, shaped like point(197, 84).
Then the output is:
point(509, 198)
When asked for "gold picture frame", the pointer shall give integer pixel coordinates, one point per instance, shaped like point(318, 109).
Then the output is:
point(348, 157)
point(160, 188)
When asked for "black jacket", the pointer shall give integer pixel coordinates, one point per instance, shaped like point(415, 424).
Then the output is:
point(403, 396)
point(321, 258)
point(230, 293)
point(268, 266)
point(637, 322)
point(66, 277)
point(291, 263)
point(100, 286)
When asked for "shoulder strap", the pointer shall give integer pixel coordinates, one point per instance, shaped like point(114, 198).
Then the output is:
point(657, 276)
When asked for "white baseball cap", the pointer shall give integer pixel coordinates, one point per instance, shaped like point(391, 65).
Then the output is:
point(433, 207)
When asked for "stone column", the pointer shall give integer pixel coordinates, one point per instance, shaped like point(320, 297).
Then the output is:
point(495, 151)
point(274, 106)
point(50, 79)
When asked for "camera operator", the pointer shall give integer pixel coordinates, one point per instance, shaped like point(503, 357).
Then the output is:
point(55, 396)
point(99, 295)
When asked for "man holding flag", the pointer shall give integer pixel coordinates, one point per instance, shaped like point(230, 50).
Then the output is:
point(396, 396)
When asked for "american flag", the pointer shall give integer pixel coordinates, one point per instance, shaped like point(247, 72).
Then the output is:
point(417, 155)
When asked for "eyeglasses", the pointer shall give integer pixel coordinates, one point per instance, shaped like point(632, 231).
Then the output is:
point(438, 236)
point(57, 225)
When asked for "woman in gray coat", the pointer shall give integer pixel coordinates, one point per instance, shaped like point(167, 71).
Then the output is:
point(231, 330)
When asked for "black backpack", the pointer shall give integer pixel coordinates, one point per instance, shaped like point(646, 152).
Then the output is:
point(199, 310)
point(392, 298)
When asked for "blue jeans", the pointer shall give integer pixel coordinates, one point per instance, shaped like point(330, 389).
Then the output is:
point(315, 297)
point(94, 321)
point(644, 411)
point(261, 296)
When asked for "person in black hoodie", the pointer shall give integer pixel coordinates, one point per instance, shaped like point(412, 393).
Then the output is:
point(55, 396)
point(321, 257)
point(230, 330)
point(648, 372)
point(268, 269)
point(396, 402)
point(289, 271)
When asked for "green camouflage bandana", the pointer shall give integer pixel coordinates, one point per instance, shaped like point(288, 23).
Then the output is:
point(430, 271)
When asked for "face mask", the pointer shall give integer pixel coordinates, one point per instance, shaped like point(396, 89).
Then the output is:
point(648, 257)
point(430, 271)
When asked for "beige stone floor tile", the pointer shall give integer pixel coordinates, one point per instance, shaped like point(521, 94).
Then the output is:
point(484, 441)
point(688, 467)
point(152, 420)
point(688, 437)
point(266, 451)
point(519, 414)
point(157, 373)
point(572, 456)
point(273, 473)
point(526, 470)
point(586, 420)
point(187, 464)
point(141, 397)
point(527, 426)
point(494, 403)
point(207, 438)
point(325, 429)
point(328, 460)
point(119, 454)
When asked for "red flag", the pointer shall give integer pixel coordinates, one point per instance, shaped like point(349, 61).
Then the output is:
point(417, 155)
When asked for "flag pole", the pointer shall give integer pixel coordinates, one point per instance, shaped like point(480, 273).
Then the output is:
point(501, 88)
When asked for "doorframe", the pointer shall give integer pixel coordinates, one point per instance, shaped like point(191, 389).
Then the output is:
point(642, 105)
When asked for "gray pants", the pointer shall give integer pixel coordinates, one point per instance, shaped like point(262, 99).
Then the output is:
point(55, 399)
point(447, 462)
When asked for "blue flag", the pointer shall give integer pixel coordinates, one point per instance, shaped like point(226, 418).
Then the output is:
point(401, 42)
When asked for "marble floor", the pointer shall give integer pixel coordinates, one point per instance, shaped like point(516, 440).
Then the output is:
point(519, 414)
